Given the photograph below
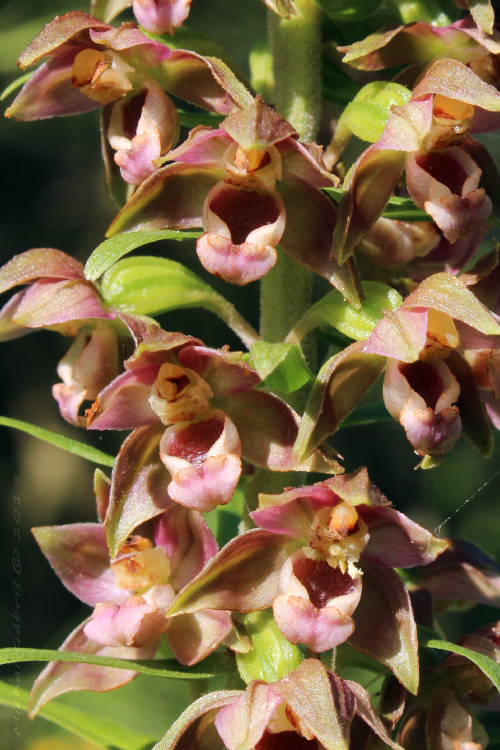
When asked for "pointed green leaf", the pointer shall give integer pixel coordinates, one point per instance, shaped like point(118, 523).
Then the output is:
point(170, 668)
point(115, 248)
point(60, 441)
point(281, 366)
point(334, 311)
point(89, 726)
point(193, 119)
point(272, 657)
point(150, 286)
point(490, 668)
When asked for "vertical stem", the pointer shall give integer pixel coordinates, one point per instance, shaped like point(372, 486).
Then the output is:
point(286, 290)
point(296, 51)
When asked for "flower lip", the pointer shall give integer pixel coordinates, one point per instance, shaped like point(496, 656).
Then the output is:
point(322, 582)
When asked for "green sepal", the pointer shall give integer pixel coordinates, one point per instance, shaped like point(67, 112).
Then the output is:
point(147, 285)
point(94, 728)
point(332, 310)
point(60, 441)
point(281, 366)
point(109, 251)
point(272, 657)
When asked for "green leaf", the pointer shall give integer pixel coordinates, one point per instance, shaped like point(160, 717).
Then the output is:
point(335, 85)
point(16, 84)
point(115, 248)
point(398, 208)
point(281, 366)
point(272, 656)
point(171, 669)
point(490, 667)
point(89, 726)
point(334, 311)
point(149, 286)
point(60, 441)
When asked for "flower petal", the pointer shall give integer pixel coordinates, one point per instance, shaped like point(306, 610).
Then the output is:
point(79, 555)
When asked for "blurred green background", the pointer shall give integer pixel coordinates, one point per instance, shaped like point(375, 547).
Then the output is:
point(53, 195)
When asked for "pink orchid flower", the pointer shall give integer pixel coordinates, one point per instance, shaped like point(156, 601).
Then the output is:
point(130, 594)
point(93, 64)
point(204, 412)
point(59, 298)
point(311, 708)
point(251, 185)
point(428, 386)
point(323, 558)
point(429, 137)
point(419, 44)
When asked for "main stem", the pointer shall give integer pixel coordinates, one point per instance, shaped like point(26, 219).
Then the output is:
point(286, 290)
point(296, 51)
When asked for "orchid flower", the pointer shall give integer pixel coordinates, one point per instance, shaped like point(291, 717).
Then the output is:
point(93, 64)
point(323, 558)
point(207, 401)
point(251, 185)
point(419, 44)
point(428, 137)
point(309, 708)
point(428, 386)
point(59, 298)
point(130, 594)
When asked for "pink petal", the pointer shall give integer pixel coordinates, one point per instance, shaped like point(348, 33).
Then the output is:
point(242, 723)
point(62, 677)
point(203, 146)
point(193, 637)
point(242, 577)
point(203, 458)
point(397, 542)
point(79, 555)
point(142, 127)
point(139, 621)
point(225, 372)
point(188, 543)
point(242, 228)
point(36, 264)
point(124, 403)
point(49, 91)
point(161, 16)
point(314, 603)
point(89, 365)
point(139, 486)
point(56, 303)
point(172, 198)
point(132, 43)
point(8, 329)
point(456, 81)
point(456, 204)
point(268, 428)
point(401, 335)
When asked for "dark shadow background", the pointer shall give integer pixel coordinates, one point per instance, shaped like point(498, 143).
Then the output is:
point(53, 195)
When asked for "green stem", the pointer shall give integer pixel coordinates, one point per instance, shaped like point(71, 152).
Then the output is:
point(295, 46)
